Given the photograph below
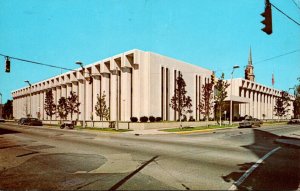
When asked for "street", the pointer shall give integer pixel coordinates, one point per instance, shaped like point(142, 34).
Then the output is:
point(48, 158)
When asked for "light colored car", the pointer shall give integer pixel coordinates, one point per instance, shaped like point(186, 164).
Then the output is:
point(2, 120)
point(250, 122)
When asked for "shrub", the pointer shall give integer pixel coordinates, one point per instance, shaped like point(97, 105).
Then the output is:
point(152, 119)
point(133, 119)
point(191, 118)
point(158, 119)
point(144, 119)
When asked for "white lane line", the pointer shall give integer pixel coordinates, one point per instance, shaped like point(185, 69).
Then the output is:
point(250, 170)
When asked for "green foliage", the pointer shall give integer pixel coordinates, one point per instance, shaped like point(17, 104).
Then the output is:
point(180, 102)
point(7, 112)
point(49, 106)
point(282, 104)
point(61, 108)
point(206, 103)
point(73, 104)
point(220, 95)
point(296, 102)
point(101, 109)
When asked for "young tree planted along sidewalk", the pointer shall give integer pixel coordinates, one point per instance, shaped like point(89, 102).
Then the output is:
point(220, 96)
point(61, 108)
point(101, 108)
point(73, 104)
point(206, 103)
point(296, 102)
point(180, 102)
point(282, 104)
point(50, 107)
point(7, 110)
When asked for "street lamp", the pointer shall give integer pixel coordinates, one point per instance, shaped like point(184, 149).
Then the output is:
point(26, 81)
point(234, 67)
point(84, 89)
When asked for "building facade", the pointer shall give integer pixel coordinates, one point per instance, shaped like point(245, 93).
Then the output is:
point(136, 83)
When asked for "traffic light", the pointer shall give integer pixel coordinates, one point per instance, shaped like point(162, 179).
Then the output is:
point(268, 18)
point(7, 64)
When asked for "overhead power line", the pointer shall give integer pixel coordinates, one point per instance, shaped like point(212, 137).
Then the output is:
point(274, 57)
point(285, 14)
point(38, 63)
point(296, 4)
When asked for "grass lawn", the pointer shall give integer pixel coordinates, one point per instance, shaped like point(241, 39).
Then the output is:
point(199, 128)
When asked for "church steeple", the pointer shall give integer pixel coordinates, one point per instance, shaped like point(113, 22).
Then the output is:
point(250, 57)
point(249, 73)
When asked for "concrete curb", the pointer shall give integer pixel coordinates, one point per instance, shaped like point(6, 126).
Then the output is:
point(202, 130)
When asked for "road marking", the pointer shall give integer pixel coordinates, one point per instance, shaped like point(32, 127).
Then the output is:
point(250, 170)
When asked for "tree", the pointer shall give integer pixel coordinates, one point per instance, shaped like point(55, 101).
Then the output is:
point(7, 112)
point(50, 107)
point(206, 103)
point(296, 102)
point(61, 108)
point(220, 96)
point(101, 109)
point(180, 102)
point(72, 104)
point(282, 104)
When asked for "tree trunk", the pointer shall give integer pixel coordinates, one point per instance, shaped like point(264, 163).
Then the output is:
point(220, 116)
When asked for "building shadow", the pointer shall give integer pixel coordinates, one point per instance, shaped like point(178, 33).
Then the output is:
point(280, 171)
point(7, 131)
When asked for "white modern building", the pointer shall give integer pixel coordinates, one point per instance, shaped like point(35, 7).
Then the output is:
point(137, 83)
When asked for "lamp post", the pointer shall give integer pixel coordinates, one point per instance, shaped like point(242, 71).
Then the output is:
point(84, 89)
point(117, 99)
point(1, 106)
point(234, 67)
point(26, 81)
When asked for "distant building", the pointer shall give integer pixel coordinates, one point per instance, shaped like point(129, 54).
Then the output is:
point(136, 84)
point(253, 99)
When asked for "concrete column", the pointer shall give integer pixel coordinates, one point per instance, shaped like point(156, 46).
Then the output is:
point(81, 99)
point(54, 100)
point(96, 92)
point(113, 96)
point(126, 94)
point(254, 105)
point(136, 91)
point(64, 91)
point(89, 101)
point(242, 106)
point(105, 86)
point(76, 90)
point(68, 93)
point(58, 96)
point(251, 104)
point(41, 94)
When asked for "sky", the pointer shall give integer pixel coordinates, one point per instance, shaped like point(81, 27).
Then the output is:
point(214, 34)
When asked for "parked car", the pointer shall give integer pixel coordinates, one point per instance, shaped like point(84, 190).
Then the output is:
point(21, 121)
point(32, 122)
point(294, 121)
point(2, 120)
point(250, 122)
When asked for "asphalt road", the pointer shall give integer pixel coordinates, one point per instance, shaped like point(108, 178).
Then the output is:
point(43, 158)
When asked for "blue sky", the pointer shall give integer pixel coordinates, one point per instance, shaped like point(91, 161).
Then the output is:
point(212, 34)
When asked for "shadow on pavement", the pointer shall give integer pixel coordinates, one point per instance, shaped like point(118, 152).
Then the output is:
point(280, 171)
point(6, 131)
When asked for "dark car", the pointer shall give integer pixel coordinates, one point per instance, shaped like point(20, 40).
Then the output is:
point(250, 122)
point(32, 122)
point(21, 121)
point(294, 121)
